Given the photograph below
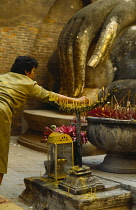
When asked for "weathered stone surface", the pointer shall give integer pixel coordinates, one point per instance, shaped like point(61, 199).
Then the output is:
point(113, 135)
point(32, 139)
point(43, 193)
point(84, 39)
point(38, 119)
point(23, 10)
point(118, 138)
point(124, 163)
point(79, 180)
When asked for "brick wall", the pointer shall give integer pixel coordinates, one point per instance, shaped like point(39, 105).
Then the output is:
point(15, 41)
point(37, 38)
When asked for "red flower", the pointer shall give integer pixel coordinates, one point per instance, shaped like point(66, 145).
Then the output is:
point(70, 130)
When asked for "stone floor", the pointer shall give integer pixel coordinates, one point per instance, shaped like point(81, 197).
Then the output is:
point(25, 162)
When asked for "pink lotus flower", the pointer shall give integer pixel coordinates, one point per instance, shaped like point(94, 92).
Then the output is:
point(70, 130)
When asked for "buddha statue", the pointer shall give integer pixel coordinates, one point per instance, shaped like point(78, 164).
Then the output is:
point(96, 49)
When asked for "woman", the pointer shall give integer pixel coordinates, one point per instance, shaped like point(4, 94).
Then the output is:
point(16, 87)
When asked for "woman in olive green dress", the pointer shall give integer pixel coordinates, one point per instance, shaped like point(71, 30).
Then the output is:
point(16, 87)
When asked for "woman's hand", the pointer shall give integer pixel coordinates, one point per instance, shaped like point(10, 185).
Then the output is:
point(83, 100)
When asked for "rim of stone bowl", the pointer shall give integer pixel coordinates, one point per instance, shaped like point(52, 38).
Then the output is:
point(110, 120)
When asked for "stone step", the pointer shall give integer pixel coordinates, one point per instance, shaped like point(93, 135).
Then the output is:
point(38, 119)
point(33, 130)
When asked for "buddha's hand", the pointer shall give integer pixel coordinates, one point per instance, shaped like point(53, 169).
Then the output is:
point(102, 20)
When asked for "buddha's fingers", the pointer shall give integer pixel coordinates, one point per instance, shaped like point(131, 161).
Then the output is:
point(104, 44)
point(85, 36)
point(88, 30)
point(80, 51)
point(71, 75)
point(105, 17)
point(65, 49)
point(123, 15)
point(62, 45)
point(74, 41)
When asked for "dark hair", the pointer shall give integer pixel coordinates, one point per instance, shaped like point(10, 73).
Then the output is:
point(22, 64)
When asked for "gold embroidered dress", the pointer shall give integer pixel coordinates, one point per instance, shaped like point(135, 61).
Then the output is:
point(15, 90)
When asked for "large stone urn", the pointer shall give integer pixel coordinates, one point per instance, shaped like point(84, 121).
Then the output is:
point(118, 138)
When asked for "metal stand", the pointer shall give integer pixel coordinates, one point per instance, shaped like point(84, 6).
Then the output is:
point(79, 151)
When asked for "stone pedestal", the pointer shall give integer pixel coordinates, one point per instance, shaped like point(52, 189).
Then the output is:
point(118, 138)
point(122, 163)
point(80, 181)
point(43, 193)
point(38, 119)
point(33, 130)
